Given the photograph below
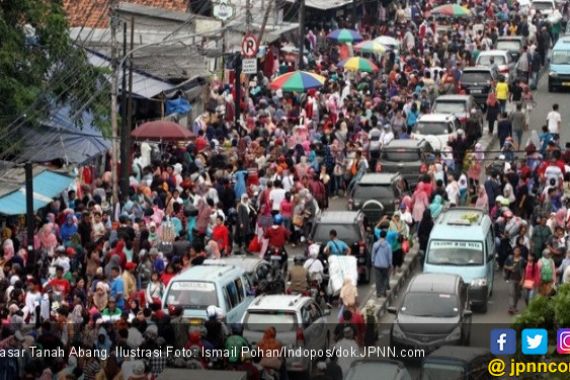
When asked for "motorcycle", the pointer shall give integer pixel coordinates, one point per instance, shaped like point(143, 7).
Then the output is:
point(278, 259)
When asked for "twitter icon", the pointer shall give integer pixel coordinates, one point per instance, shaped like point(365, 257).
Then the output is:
point(534, 341)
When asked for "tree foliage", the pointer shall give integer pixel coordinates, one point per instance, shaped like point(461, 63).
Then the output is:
point(41, 67)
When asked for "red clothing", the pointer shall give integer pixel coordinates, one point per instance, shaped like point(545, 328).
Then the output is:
point(286, 208)
point(166, 277)
point(277, 236)
point(60, 285)
point(221, 235)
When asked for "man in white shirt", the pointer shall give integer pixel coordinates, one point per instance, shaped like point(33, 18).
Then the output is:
point(554, 120)
point(276, 195)
point(452, 190)
point(387, 135)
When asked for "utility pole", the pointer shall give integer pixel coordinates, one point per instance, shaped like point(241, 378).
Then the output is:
point(354, 13)
point(125, 127)
point(301, 34)
point(237, 87)
point(248, 16)
point(30, 218)
point(264, 24)
point(114, 95)
point(130, 106)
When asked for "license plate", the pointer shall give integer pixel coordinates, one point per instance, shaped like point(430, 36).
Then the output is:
point(566, 83)
point(196, 322)
point(475, 91)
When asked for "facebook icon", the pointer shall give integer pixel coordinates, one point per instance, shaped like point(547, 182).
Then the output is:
point(503, 341)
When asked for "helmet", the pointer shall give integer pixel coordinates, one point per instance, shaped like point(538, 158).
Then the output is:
point(299, 260)
point(174, 310)
point(211, 312)
point(237, 328)
point(277, 219)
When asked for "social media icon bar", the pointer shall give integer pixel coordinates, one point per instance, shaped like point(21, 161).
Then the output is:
point(504, 341)
point(563, 341)
point(534, 341)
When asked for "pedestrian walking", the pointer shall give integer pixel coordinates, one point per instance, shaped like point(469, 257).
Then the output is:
point(382, 261)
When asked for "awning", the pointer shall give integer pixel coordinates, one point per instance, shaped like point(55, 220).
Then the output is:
point(47, 185)
point(324, 4)
point(143, 85)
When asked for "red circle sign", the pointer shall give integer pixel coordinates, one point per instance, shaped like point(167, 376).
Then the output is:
point(249, 46)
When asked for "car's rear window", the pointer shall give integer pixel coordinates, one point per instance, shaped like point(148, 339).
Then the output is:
point(508, 45)
point(401, 155)
point(476, 76)
point(349, 233)
point(433, 128)
point(485, 60)
point(373, 191)
point(450, 106)
point(261, 320)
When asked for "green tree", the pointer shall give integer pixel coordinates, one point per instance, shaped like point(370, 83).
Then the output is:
point(40, 67)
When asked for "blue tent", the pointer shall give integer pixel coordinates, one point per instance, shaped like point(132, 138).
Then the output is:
point(59, 137)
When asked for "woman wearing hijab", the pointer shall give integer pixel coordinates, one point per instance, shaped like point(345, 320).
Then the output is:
point(436, 207)
point(101, 295)
point(243, 229)
point(348, 295)
point(424, 229)
point(482, 199)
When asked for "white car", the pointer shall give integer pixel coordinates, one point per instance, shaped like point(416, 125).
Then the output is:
point(545, 7)
point(503, 60)
point(299, 321)
point(436, 129)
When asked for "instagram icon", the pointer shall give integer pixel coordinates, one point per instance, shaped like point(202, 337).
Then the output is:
point(563, 341)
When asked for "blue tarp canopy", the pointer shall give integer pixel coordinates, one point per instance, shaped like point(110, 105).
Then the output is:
point(47, 185)
point(59, 138)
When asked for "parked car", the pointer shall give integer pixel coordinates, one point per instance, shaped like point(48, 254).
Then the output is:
point(434, 312)
point(436, 128)
point(559, 69)
point(545, 7)
point(478, 81)
point(459, 363)
point(512, 44)
point(462, 242)
point(460, 106)
point(299, 321)
point(198, 287)
point(506, 66)
point(408, 157)
point(261, 275)
point(367, 369)
point(351, 227)
point(376, 194)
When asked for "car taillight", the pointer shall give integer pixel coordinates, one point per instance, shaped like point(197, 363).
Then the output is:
point(300, 337)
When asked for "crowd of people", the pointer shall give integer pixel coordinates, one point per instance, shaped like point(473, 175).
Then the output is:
point(99, 269)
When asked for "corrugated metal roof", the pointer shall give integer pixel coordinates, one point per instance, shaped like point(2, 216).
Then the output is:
point(143, 85)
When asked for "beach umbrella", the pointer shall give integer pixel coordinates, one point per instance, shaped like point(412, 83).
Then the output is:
point(387, 41)
point(358, 64)
point(452, 10)
point(297, 81)
point(345, 35)
point(370, 47)
point(161, 130)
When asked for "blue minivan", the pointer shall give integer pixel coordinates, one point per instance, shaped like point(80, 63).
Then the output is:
point(559, 70)
point(462, 242)
point(226, 287)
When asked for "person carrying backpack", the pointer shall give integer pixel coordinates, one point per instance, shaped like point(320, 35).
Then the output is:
point(546, 270)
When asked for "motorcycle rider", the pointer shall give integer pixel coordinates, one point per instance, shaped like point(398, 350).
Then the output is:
point(278, 236)
point(298, 276)
point(234, 344)
point(335, 246)
point(314, 266)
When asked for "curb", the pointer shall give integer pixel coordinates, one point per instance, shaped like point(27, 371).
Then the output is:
point(396, 282)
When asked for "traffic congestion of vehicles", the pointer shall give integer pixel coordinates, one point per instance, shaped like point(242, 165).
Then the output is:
point(355, 210)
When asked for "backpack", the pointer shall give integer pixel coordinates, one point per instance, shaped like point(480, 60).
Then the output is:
point(545, 270)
